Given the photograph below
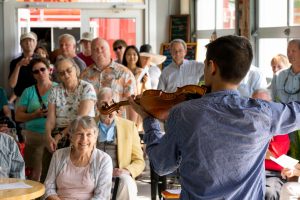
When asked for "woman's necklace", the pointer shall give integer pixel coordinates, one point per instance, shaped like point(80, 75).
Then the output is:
point(71, 90)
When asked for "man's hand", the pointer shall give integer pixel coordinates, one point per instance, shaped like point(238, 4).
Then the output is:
point(138, 108)
point(118, 172)
point(51, 144)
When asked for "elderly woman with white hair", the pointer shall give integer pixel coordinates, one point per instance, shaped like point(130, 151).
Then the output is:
point(81, 171)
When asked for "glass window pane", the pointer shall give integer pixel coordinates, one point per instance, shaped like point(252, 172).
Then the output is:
point(295, 13)
point(112, 29)
point(225, 14)
point(205, 15)
point(268, 48)
point(201, 51)
point(272, 13)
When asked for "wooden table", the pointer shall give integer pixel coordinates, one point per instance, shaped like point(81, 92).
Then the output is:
point(36, 191)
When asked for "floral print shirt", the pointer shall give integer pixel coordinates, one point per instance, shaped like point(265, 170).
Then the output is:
point(67, 104)
point(117, 77)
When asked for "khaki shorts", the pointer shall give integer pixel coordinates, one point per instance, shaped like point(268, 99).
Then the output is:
point(34, 148)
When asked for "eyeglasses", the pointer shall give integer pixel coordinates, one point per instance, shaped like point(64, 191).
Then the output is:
point(37, 71)
point(284, 85)
point(116, 48)
point(67, 71)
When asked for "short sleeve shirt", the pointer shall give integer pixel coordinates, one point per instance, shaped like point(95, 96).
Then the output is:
point(67, 104)
point(3, 100)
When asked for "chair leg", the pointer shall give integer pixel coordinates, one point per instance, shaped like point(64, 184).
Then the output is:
point(115, 191)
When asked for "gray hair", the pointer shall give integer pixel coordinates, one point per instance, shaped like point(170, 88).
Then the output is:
point(85, 122)
point(61, 58)
point(105, 90)
point(68, 37)
point(295, 41)
point(178, 41)
point(263, 90)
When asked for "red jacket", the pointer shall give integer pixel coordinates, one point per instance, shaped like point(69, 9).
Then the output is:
point(279, 145)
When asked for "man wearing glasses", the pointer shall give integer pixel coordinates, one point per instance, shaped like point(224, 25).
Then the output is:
point(119, 47)
point(286, 88)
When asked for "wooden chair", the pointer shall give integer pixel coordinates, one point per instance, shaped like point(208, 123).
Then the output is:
point(168, 195)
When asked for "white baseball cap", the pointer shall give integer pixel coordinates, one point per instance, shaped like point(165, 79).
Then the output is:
point(30, 35)
point(88, 36)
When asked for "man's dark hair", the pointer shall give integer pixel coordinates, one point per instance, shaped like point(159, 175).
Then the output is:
point(119, 43)
point(146, 48)
point(233, 55)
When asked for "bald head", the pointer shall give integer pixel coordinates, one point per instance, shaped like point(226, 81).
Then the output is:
point(263, 94)
point(101, 52)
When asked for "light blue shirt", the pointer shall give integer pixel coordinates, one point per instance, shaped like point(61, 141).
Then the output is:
point(285, 85)
point(190, 72)
point(219, 142)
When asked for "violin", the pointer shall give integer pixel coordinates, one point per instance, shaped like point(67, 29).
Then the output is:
point(158, 103)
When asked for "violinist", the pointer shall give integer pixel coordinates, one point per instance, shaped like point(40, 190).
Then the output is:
point(219, 141)
point(180, 72)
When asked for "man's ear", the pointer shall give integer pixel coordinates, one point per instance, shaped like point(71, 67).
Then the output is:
point(212, 67)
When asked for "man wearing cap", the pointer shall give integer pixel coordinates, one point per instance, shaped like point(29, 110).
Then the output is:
point(67, 46)
point(180, 72)
point(20, 76)
point(86, 54)
point(150, 61)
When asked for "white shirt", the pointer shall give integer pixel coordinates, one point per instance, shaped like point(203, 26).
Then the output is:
point(154, 73)
point(188, 73)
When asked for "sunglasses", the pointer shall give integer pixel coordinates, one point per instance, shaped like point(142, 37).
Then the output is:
point(37, 71)
point(116, 48)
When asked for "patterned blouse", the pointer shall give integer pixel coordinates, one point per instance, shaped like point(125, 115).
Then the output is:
point(67, 104)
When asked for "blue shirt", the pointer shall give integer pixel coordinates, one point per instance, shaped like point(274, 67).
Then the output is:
point(219, 142)
point(286, 86)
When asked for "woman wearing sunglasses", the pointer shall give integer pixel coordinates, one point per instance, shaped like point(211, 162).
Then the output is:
point(32, 109)
point(71, 98)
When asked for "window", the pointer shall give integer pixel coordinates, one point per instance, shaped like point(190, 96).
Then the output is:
point(276, 30)
point(213, 16)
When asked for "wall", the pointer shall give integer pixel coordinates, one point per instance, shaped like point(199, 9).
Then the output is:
point(2, 80)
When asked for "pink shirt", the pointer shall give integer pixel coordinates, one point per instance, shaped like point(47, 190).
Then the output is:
point(75, 182)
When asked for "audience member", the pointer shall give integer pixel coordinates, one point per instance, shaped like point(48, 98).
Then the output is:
point(119, 138)
point(20, 76)
point(180, 72)
point(279, 62)
point(80, 171)
point(286, 88)
point(86, 53)
point(223, 156)
point(107, 73)
point(11, 161)
point(119, 47)
point(42, 52)
point(67, 45)
point(278, 146)
point(150, 61)
point(32, 109)
point(290, 190)
point(253, 80)
point(71, 98)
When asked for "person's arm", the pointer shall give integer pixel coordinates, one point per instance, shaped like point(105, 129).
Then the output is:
point(104, 172)
point(17, 168)
point(23, 116)
point(158, 145)
point(6, 111)
point(50, 125)
point(13, 79)
point(50, 182)
point(85, 107)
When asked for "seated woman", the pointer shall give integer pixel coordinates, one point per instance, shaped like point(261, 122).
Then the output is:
point(82, 171)
point(71, 98)
point(32, 109)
